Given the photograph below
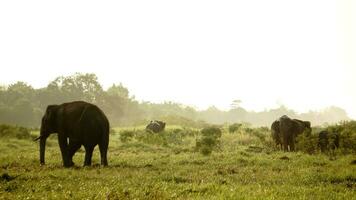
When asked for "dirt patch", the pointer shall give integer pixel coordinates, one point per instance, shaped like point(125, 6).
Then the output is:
point(6, 177)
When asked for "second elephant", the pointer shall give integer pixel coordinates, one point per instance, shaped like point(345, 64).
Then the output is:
point(289, 129)
point(156, 126)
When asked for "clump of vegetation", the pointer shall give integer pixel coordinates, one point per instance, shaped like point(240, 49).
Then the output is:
point(307, 143)
point(347, 133)
point(126, 135)
point(234, 127)
point(209, 141)
point(18, 132)
point(168, 137)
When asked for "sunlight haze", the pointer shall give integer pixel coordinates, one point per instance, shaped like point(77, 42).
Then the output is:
point(301, 54)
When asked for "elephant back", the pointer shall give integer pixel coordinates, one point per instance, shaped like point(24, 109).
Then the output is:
point(156, 126)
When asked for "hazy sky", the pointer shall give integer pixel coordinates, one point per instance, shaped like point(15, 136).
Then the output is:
point(301, 54)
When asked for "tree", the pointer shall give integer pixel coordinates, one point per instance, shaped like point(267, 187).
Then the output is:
point(78, 87)
point(235, 104)
point(118, 90)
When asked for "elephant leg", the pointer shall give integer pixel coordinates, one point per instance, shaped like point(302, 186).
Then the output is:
point(63, 145)
point(285, 145)
point(88, 154)
point(292, 147)
point(72, 148)
point(103, 147)
point(291, 144)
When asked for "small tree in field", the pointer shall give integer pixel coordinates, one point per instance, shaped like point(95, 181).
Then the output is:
point(209, 140)
point(234, 127)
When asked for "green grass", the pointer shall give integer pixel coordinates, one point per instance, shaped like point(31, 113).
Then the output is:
point(242, 169)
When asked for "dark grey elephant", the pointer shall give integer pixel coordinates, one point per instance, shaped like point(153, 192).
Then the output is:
point(76, 123)
point(156, 126)
point(290, 129)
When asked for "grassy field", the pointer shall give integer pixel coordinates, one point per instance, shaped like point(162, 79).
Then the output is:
point(149, 167)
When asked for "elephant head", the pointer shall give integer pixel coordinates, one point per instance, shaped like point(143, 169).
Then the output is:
point(303, 127)
point(276, 133)
point(48, 126)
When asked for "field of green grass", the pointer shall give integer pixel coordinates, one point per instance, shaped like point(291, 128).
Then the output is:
point(152, 166)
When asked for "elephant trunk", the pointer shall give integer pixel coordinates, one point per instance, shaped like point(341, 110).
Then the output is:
point(42, 150)
point(43, 138)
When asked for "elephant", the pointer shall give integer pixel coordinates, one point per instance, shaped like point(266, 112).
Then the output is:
point(290, 129)
point(276, 134)
point(156, 126)
point(76, 123)
point(328, 140)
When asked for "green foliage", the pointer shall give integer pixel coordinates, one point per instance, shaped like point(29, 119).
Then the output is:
point(209, 141)
point(126, 135)
point(234, 127)
point(346, 131)
point(8, 131)
point(182, 121)
point(307, 143)
point(23, 105)
point(213, 132)
point(168, 137)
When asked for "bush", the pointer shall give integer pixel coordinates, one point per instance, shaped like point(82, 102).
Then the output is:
point(234, 127)
point(126, 135)
point(165, 138)
point(307, 143)
point(260, 133)
point(213, 131)
point(14, 132)
point(346, 130)
point(209, 141)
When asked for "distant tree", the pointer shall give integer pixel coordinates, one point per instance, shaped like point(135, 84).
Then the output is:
point(17, 104)
point(21, 104)
point(78, 87)
point(235, 104)
point(213, 115)
point(118, 90)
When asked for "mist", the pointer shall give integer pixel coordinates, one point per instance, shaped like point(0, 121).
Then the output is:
point(197, 53)
point(21, 104)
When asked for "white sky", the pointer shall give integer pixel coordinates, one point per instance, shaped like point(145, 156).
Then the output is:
point(265, 53)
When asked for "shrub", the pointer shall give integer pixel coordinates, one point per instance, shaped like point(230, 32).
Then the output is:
point(234, 127)
point(213, 131)
point(126, 135)
point(346, 130)
point(209, 141)
point(14, 132)
point(166, 138)
point(260, 133)
point(307, 143)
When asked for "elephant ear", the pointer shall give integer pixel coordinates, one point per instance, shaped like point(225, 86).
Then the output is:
point(51, 112)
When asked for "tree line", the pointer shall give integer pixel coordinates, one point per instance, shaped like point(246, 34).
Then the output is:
point(21, 104)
